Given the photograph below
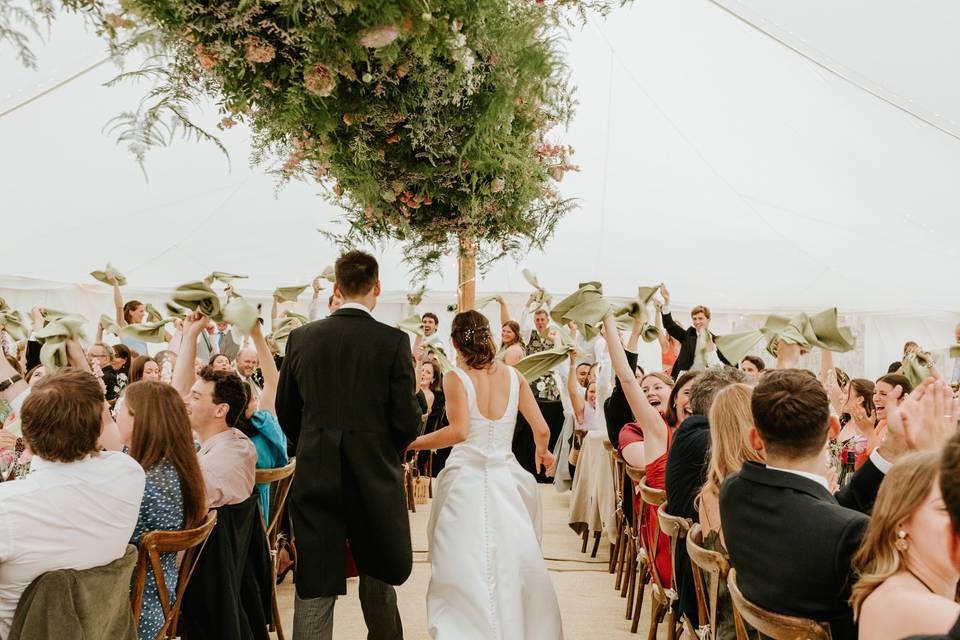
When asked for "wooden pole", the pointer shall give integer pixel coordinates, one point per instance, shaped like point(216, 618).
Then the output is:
point(466, 273)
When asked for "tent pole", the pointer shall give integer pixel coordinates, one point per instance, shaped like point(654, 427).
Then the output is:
point(466, 272)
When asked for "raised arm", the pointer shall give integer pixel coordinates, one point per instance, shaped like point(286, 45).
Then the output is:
point(117, 302)
point(504, 311)
point(672, 327)
point(314, 310)
point(649, 419)
point(634, 338)
point(573, 388)
point(662, 337)
point(273, 314)
point(268, 397)
point(184, 372)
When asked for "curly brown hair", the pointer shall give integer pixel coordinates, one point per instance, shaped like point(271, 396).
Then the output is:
point(471, 337)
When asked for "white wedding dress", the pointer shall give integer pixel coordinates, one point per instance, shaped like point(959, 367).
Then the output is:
point(489, 580)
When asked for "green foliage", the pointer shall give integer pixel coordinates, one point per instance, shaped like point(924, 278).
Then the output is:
point(425, 121)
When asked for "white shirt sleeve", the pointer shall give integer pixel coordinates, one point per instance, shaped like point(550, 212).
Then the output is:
point(314, 310)
point(526, 324)
point(880, 462)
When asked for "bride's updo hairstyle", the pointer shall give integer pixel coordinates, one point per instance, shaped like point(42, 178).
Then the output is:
point(472, 339)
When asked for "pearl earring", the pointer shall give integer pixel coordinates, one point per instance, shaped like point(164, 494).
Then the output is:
point(901, 543)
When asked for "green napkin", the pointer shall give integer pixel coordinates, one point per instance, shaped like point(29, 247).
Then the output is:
point(109, 271)
point(197, 296)
point(955, 351)
point(484, 301)
point(240, 314)
point(299, 316)
point(586, 307)
point(916, 366)
point(53, 338)
point(413, 325)
point(442, 360)
point(329, 274)
point(152, 315)
point(174, 311)
point(289, 294)
point(540, 364)
point(281, 332)
point(3, 305)
point(225, 277)
point(638, 309)
point(109, 325)
point(819, 330)
point(541, 297)
point(13, 323)
point(52, 314)
point(416, 297)
point(146, 331)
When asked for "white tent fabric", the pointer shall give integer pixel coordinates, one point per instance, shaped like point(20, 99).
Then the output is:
point(716, 156)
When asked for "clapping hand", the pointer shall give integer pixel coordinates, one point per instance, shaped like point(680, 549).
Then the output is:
point(666, 295)
point(544, 460)
point(925, 420)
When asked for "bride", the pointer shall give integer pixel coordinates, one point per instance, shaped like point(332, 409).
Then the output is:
point(488, 580)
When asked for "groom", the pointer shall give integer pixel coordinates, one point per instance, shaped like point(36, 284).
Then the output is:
point(346, 401)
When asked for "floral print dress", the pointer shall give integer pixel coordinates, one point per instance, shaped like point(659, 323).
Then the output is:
point(160, 510)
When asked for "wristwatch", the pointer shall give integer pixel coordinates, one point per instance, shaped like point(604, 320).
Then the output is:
point(10, 381)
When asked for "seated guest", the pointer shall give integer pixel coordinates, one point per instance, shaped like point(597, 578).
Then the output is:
point(78, 506)
point(687, 467)
point(430, 384)
point(907, 579)
point(144, 368)
point(873, 426)
point(153, 420)
point(950, 489)
point(752, 366)
point(122, 358)
point(698, 350)
point(730, 423)
point(645, 397)
point(259, 421)
point(790, 538)
point(216, 402)
point(511, 349)
point(220, 362)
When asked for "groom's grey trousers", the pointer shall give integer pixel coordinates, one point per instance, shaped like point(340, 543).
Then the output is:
point(313, 617)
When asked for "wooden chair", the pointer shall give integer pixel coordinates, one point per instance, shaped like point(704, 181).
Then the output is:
point(616, 466)
point(716, 565)
point(660, 599)
point(676, 528)
point(775, 625)
point(636, 559)
point(280, 480)
point(191, 543)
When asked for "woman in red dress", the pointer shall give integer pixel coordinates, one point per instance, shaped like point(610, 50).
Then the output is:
point(646, 399)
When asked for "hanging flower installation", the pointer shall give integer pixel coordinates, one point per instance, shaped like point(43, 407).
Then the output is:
point(427, 121)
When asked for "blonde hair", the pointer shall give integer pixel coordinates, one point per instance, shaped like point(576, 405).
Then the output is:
point(901, 493)
point(730, 422)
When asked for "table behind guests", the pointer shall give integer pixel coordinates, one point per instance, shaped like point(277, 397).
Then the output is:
point(78, 507)
point(524, 447)
point(592, 499)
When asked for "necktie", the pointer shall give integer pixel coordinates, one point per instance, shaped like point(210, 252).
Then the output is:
point(219, 338)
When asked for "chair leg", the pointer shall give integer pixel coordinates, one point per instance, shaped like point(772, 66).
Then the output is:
point(277, 626)
point(596, 544)
point(586, 536)
point(622, 543)
point(655, 615)
point(641, 589)
point(631, 589)
point(671, 624)
point(630, 563)
point(612, 559)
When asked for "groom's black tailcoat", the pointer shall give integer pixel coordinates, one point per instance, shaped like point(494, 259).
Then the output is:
point(346, 401)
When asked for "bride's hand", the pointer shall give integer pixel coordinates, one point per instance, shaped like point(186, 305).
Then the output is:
point(544, 460)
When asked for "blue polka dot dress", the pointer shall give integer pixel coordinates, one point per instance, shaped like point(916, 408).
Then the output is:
point(161, 509)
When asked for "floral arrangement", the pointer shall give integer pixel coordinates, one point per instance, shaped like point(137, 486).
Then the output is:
point(547, 388)
point(426, 122)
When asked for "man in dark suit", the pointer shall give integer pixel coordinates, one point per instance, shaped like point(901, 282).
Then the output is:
point(790, 538)
point(346, 401)
point(698, 350)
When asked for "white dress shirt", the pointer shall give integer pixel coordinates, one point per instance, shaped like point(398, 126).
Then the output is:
point(355, 305)
point(76, 515)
